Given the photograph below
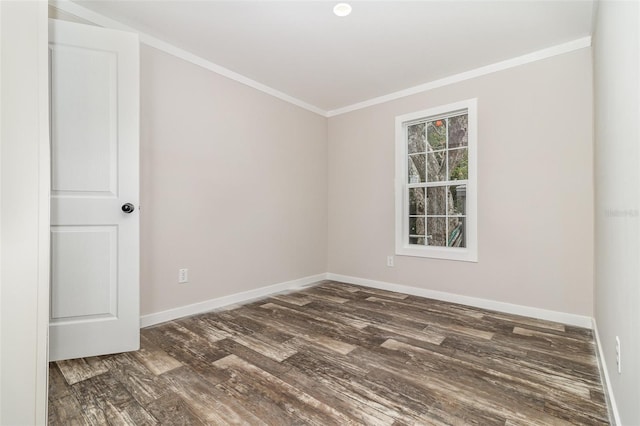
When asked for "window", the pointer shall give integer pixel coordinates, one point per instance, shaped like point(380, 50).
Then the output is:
point(436, 195)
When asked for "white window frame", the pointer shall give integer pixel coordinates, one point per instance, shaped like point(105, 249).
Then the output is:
point(403, 248)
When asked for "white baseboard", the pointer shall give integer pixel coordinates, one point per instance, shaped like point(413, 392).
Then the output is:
point(247, 296)
point(604, 373)
point(528, 311)
point(219, 302)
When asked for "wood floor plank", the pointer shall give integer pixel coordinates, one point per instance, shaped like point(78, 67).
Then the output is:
point(77, 370)
point(130, 414)
point(97, 391)
point(298, 404)
point(293, 299)
point(92, 416)
point(63, 409)
point(335, 291)
point(340, 381)
point(534, 322)
point(58, 386)
point(205, 329)
point(425, 335)
point(273, 350)
point(325, 342)
point(157, 361)
point(198, 356)
point(433, 320)
point(582, 356)
point(327, 297)
point(172, 410)
point(383, 293)
point(340, 354)
point(360, 412)
point(252, 356)
point(340, 314)
point(142, 384)
point(207, 402)
point(445, 308)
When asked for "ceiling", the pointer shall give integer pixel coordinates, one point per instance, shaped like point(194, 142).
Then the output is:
point(302, 49)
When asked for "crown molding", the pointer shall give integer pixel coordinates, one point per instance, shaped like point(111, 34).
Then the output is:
point(538, 55)
point(103, 21)
point(99, 19)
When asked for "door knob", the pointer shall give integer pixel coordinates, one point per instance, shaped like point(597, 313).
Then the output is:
point(128, 208)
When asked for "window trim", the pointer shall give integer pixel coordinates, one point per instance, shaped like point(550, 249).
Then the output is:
point(403, 248)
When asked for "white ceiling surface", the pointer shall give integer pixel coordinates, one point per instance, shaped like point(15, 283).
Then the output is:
point(302, 49)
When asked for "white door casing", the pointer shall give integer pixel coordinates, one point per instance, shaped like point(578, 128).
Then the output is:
point(94, 83)
point(24, 212)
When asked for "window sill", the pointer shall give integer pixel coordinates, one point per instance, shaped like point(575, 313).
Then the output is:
point(458, 254)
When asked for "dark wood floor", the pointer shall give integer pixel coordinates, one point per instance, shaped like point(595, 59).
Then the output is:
point(338, 354)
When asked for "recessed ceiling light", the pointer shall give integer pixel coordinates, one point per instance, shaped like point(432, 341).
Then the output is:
point(342, 9)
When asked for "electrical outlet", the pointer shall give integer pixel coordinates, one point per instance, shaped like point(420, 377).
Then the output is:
point(390, 261)
point(183, 276)
point(618, 361)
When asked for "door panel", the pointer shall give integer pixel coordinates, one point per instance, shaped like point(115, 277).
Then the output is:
point(94, 145)
point(84, 273)
point(85, 124)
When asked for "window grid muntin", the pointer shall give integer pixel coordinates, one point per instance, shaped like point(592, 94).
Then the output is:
point(439, 183)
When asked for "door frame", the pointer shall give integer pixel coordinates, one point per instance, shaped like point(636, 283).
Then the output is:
point(24, 212)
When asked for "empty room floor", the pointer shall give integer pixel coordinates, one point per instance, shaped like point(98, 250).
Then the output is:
point(338, 354)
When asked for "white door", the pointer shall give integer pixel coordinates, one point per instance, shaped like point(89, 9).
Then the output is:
point(94, 76)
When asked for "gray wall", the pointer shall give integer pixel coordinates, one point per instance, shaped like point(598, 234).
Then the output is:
point(617, 178)
point(535, 180)
point(233, 186)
